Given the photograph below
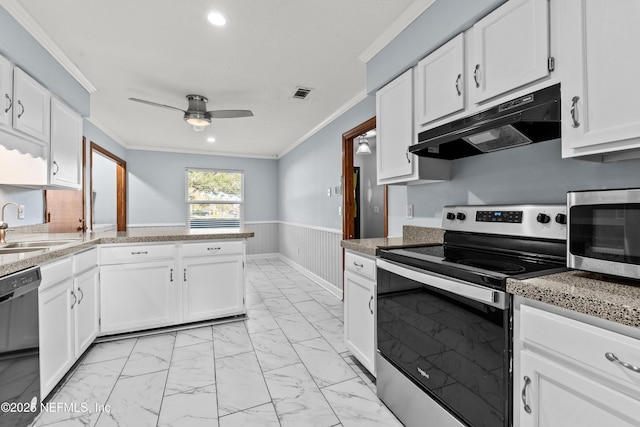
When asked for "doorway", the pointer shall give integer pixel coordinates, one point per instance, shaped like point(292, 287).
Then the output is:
point(109, 175)
point(348, 184)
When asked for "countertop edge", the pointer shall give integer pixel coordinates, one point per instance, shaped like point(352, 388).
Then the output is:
point(53, 254)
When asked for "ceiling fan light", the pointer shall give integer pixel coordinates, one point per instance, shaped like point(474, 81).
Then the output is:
point(199, 128)
point(199, 121)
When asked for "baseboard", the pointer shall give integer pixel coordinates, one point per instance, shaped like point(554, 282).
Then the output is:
point(319, 280)
point(263, 256)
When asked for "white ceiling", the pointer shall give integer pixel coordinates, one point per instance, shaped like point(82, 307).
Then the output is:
point(162, 50)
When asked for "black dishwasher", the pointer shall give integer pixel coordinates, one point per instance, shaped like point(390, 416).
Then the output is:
point(19, 348)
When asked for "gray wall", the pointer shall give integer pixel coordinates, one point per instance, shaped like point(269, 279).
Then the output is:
point(156, 185)
point(306, 172)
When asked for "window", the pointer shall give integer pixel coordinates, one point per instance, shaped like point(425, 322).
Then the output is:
point(214, 198)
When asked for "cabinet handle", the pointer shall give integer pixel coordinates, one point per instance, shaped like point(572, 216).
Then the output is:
point(75, 299)
point(527, 381)
point(184, 274)
point(6, 95)
point(407, 154)
point(458, 84)
point(476, 75)
point(214, 249)
point(171, 275)
point(57, 167)
point(81, 296)
point(370, 301)
point(612, 357)
point(358, 265)
point(139, 253)
point(21, 106)
point(574, 111)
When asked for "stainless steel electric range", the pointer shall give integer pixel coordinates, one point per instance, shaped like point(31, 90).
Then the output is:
point(444, 334)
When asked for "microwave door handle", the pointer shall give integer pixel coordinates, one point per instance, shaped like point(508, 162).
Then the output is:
point(477, 293)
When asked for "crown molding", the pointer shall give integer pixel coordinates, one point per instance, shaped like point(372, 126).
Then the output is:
point(409, 15)
point(19, 13)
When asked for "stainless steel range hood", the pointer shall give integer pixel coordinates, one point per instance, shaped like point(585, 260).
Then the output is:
point(528, 119)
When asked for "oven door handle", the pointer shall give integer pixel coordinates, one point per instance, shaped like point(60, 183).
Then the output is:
point(468, 290)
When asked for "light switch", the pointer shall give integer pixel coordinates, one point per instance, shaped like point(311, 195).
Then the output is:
point(329, 192)
point(21, 214)
point(409, 211)
point(376, 209)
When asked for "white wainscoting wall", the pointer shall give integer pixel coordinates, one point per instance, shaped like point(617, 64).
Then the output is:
point(315, 251)
point(265, 240)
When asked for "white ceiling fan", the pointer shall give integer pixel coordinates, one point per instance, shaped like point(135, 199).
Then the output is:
point(196, 113)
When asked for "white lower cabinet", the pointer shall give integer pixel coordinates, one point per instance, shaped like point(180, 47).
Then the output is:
point(138, 295)
point(360, 308)
point(213, 287)
point(571, 373)
point(68, 314)
point(150, 286)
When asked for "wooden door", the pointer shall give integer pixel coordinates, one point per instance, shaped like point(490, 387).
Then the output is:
point(64, 211)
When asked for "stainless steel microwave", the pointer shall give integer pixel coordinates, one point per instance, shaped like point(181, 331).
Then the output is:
point(604, 231)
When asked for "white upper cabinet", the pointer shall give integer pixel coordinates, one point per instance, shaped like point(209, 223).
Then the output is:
point(394, 112)
point(395, 165)
point(440, 82)
point(6, 91)
point(65, 157)
point(600, 102)
point(31, 106)
point(509, 49)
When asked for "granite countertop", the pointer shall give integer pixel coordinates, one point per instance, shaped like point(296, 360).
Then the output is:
point(10, 263)
point(411, 236)
point(588, 293)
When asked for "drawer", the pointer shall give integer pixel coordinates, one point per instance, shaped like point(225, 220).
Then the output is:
point(84, 261)
point(212, 248)
point(586, 345)
point(135, 253)
point(360, 264)
point(56, 271)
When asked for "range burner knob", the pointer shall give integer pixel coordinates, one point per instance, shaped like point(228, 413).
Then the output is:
point(543, 218)
point(451, 216)
point(461, 216)
point(561, 218)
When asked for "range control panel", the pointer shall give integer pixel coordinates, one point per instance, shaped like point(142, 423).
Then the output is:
point(539, 221)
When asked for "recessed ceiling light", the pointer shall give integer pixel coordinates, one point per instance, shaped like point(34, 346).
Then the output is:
point(211, 139)
point(217, 19)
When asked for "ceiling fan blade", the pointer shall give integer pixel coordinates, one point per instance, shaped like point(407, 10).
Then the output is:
point(229, 114)
point(155, 104)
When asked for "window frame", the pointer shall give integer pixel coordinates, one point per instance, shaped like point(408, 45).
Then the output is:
point(203, 202)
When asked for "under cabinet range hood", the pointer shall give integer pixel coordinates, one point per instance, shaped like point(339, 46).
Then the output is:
point(528, 119)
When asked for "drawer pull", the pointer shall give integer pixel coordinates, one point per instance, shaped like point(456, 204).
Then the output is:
point(358, 265)
point(612, 357)
point(171, 275)
point(527, 381)
point(184, 274)
point(139, 253)
point(214, 249)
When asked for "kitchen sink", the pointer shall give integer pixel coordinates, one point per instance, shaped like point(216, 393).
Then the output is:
point(39, 245)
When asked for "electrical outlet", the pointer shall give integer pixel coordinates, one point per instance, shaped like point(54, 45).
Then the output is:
point(409, 211)
point(340, 210)
point(329, 192)
point(376, 209)
point(21, 214)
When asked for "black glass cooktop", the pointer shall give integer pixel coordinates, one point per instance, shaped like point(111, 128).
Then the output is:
point(473, 265)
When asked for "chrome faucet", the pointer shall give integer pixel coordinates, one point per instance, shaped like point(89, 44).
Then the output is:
point(3, 225)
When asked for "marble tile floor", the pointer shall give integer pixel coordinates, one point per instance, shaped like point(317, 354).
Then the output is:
point(285, 365)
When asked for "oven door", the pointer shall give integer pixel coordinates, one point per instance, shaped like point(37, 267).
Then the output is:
point(452, 339)
point(603, 232)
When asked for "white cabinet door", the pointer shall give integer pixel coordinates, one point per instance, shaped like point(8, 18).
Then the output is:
point(510, 48)
point(56, 322)
point(31, 109)
point(138, 296)
point(440, 82)
point(6, 91)
point(65, 158)
point(86, 310)
point(212, 287)
point(561, 397)
point(600, 100)
point(394, 111)
point(359, 318)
